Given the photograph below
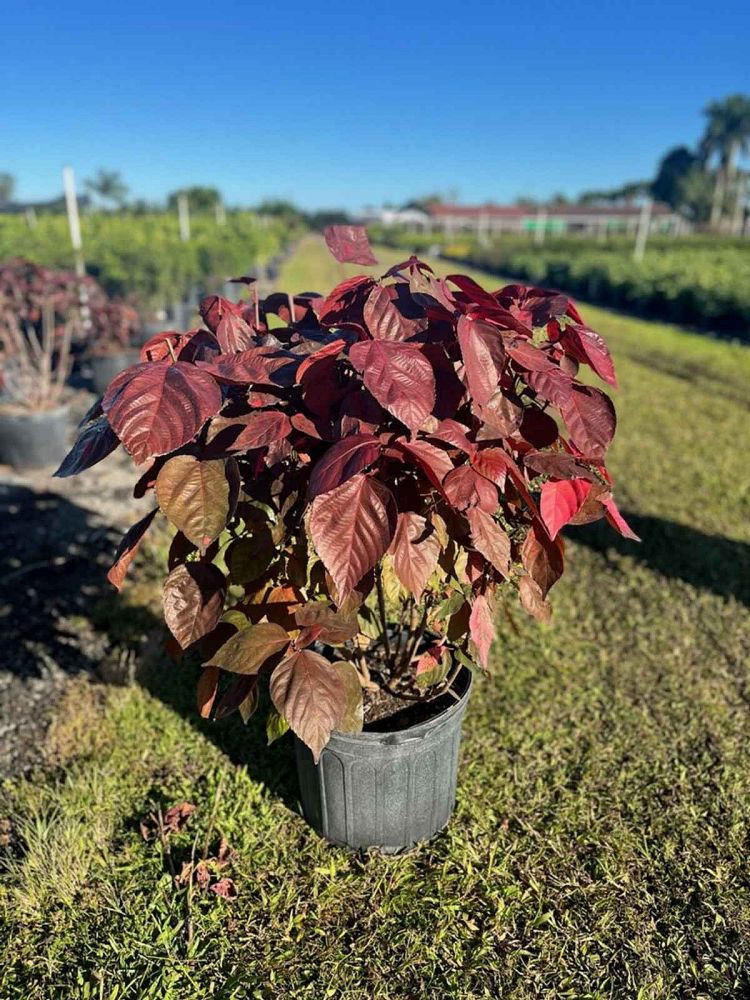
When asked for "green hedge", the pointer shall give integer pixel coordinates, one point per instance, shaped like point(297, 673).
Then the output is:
point(700, 281)
point(143, 254)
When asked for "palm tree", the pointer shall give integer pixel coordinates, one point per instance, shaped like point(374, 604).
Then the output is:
point(727, 136)
point(109, 185)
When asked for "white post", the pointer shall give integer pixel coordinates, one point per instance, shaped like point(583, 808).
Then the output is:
point(31, 217)
point(644, 224)
point(74, 223)
point(221, 215)
point(541, 225)
point(183, 212)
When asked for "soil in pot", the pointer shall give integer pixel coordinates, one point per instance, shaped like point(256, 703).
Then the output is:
point(33, 439)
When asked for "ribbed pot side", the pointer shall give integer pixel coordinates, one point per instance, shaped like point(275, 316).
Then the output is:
point(385, 790)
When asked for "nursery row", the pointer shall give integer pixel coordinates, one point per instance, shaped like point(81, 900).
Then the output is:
point(143, 255)
point(697, 281)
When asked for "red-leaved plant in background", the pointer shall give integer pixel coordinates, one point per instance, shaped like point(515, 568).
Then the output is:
point(44, 314)
point(352, 487)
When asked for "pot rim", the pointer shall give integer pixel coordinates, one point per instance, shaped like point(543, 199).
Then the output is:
point(413, 732)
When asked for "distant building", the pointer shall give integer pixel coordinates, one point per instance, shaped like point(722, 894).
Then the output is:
point(487, 220)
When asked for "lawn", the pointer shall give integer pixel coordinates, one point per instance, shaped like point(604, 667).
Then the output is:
point(599, 846)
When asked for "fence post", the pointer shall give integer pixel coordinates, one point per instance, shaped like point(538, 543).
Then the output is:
point(183, 212)
point(74, 227)
point(644, 224)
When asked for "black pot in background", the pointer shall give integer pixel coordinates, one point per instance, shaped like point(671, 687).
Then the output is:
point(104, 367)
point(385, 790)
point(33, 440)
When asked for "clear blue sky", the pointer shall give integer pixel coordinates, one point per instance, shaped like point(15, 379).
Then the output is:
point(347, 104)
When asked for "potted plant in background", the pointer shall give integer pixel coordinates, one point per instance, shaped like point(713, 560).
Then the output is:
point(113, 329)
point(39, 316)
point(355, 481)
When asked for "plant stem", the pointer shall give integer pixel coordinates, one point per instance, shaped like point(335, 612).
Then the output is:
point(383, 620)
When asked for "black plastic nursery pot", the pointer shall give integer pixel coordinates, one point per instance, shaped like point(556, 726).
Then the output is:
point(386, 790)
point(104, 367)
point(33, 440)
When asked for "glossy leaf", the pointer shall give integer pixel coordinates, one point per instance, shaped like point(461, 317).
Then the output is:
point(155, 408)
point(399, 376)
point(258, 429)
point(343, 460)
point(95, 441)
point(351, 528)
point(483, 354)
point(590, 418)
point(561, 501)
point(198, 497)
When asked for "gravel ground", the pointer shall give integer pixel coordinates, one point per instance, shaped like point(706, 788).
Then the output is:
point(57, 540)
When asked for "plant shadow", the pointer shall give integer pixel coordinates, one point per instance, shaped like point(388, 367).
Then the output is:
point(59, 616)
point(708, 562)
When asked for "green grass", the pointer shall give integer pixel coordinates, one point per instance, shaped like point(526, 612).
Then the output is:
point(599, 846)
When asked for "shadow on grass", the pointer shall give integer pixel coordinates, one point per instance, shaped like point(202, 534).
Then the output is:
point(246, 745)
point(708, 562)
point(58, 613)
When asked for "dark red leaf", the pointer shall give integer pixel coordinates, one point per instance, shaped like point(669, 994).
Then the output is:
point(384, 314)
point(543, 558)
point(591, 421)
point(351, 528)
point(465, 488)
point(399, 376)
point(590, 349)
point(258, 366)
point(484, 357)
point(433, 461)
point(342, 461)
point(257, 429)
point(155, 408)
point(95, 441)
point(128, 548)
point(349, 244)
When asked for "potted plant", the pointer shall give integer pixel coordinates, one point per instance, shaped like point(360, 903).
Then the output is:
point(354, 480)
point(113, 329)
point(39, 316)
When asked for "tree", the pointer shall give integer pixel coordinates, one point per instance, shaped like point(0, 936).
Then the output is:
point(109, 186)
point(7, 186)
point(726, 138)
point(200, 198)
point(694, 194)
point(674, 167)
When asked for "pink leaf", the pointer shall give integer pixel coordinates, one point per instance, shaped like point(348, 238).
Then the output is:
point(349, 244)
point(561, 501)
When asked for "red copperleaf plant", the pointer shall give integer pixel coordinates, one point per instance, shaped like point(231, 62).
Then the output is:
point(354, 480)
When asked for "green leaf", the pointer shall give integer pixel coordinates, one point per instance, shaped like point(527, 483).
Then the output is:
point(276, 725)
